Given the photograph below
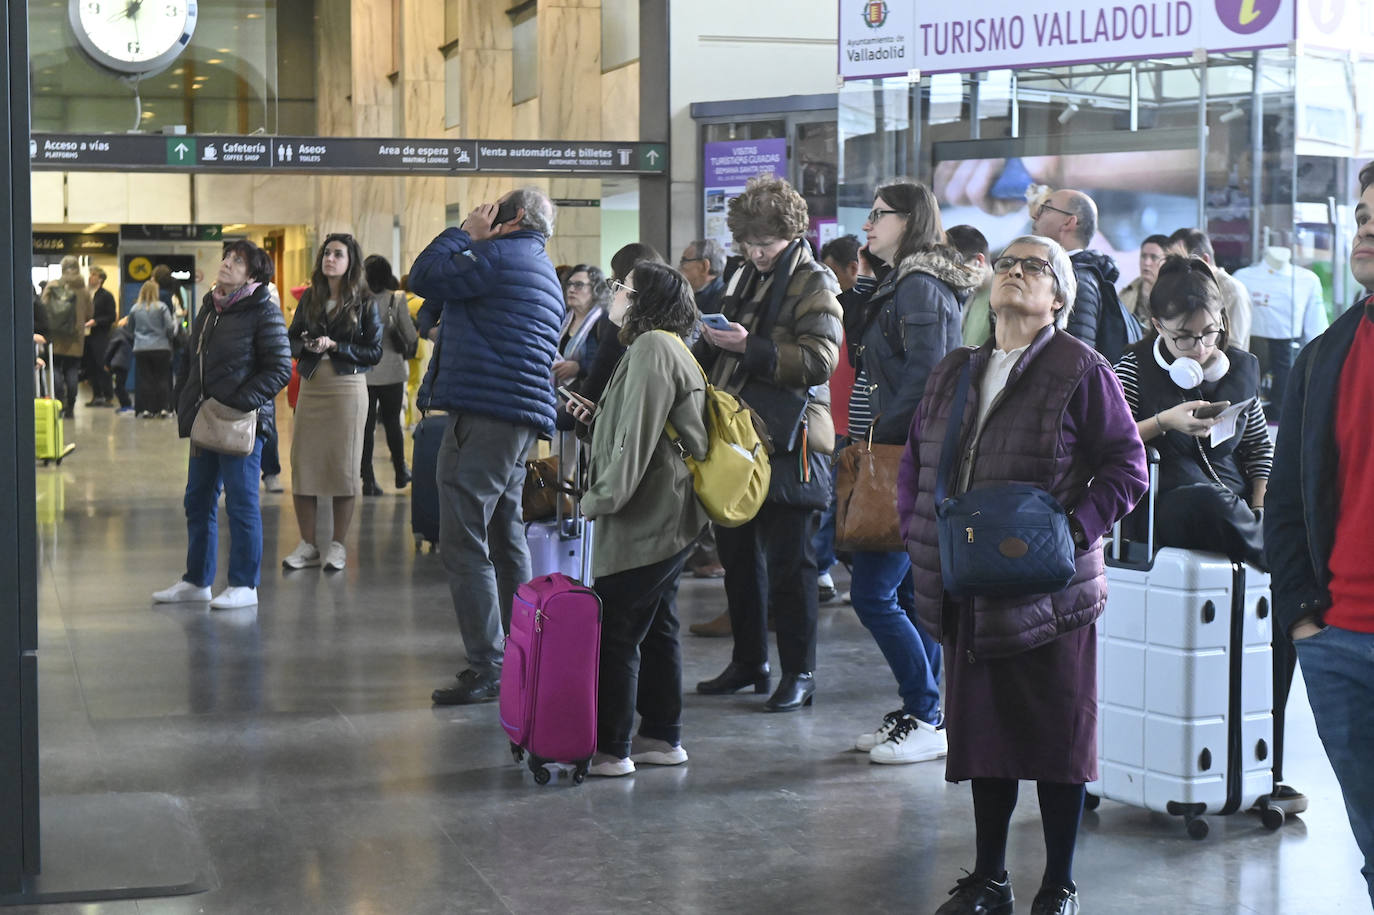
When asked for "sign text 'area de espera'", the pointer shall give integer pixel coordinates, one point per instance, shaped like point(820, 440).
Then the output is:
point(339, 155)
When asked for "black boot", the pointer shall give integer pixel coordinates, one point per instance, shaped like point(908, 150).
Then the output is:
point(794, 691)
point(402, 476)
point(978, 895)
point(735, 678)
point(370, 487)
point(1055, 900)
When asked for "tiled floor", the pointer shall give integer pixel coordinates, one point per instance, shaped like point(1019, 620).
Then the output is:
point(302, 741)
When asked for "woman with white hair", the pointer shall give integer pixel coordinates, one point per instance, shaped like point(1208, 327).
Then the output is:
point(1042, 409)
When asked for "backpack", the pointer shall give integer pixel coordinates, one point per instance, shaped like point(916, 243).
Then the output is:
point(731, 482)
point(61, 307)
point(1117, 328)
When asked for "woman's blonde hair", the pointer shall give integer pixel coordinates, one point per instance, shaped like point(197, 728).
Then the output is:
point(148, 295)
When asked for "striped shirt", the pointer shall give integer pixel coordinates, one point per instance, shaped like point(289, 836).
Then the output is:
point(861, 396)
point(1254, 454)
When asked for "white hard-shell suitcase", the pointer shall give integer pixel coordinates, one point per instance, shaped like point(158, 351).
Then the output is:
point(558, 545)
point(1185, 683)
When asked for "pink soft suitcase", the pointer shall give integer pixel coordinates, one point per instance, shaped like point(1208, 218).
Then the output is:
point(549, 679)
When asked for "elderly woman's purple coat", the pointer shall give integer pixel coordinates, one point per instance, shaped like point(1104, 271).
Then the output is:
point(1021, 674)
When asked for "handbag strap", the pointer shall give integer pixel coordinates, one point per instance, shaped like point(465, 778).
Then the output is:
point(668, 426)
point(952, 429)
point(200, 350)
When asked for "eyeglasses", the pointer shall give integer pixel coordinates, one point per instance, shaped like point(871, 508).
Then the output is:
point(1045, 206)
point(617, 286)
point(690, 260)
point(875, 215)
point(1188, 342)
point(1030, 266)
point(578, 284)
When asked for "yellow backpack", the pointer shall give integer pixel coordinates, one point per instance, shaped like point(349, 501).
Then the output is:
point(731, 482)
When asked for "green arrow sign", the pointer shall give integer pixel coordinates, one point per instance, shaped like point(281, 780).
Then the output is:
point(653, 157)
point(181, 151)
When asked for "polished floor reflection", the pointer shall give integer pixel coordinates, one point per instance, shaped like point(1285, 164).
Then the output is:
point(301, 739)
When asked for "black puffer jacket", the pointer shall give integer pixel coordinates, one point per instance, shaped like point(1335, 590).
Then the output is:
point(247, 360)
point(355, 351)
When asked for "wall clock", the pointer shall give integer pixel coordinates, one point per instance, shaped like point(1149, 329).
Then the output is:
point(133, 38)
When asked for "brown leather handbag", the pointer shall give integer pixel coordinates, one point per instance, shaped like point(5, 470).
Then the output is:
point(539, 502)
point(866, 498)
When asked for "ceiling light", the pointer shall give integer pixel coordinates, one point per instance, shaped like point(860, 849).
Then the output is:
point(95, 227)
point(1067, 114)
point(214, 60)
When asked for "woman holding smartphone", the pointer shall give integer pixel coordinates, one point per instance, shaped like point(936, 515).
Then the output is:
point(1177, 382)
point(336, 337)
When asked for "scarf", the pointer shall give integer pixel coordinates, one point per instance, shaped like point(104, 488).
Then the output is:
point(223, 300)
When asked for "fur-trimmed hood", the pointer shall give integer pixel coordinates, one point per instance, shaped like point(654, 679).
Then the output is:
point(945, 265)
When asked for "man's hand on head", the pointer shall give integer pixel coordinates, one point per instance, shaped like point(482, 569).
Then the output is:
point(478, 222)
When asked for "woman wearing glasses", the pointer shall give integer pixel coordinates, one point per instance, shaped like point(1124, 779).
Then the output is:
point(899, 325)
point(587, 296)
point(336, 337)
point(1210, 492)
point(1043, 409)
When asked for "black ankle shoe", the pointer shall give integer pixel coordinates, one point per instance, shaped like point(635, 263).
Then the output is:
point(979, 895)
point(794, 691)
point(370, 488)
point(1055, 900)
point(735, 678)
point(402, 477)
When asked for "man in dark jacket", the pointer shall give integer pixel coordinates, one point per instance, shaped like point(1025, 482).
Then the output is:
point(1316, 534)
point(702, 261)
point(495, 307)
point(98, 337)
point(1070, 218)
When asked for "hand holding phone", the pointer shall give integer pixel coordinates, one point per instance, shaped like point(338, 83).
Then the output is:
point(504, 213)
point(716, 321)
point(564, 392)
point(1212, 409)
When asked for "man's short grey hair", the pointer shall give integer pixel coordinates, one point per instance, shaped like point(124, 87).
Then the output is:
point(540, 212)
point(710, 250)
point(1086, 210)
point(1065, 282)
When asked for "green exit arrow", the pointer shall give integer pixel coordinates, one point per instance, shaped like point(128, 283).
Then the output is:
point(653, 157)
point(181, 151)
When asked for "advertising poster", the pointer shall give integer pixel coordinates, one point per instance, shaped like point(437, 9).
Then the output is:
point(727, 167)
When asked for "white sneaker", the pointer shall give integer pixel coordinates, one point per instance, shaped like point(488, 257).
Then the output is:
point(911, 741)
point(606, 766)
point(336, 557)
point(272, 482)
point(234, 597)
point(866, 742)
point(647, 751)
point(181, 592)
point(304, 555)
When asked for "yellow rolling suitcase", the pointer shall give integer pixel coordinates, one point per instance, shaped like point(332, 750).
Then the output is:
point(47, 415)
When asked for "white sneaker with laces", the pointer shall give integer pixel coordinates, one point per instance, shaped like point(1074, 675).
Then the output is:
point(234, 597)
point(303, 556)
point(181, 592)
point(336, 557)
point(647, 751)
point(868, 741)
point(272, 482)
point(606, 766)
point(910, 741)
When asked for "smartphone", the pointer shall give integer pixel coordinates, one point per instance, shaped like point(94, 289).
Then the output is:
point(716, 321)
point(563, 390)
point(1212, 409)
point(504, 213)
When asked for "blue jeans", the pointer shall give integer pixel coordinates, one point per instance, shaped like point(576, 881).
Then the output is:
point(206, 474)
point(1338, 666)
point(881, 590)
point(824, 541)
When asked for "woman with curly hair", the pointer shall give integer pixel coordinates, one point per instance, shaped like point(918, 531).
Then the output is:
point(647, 516)
point(778, 353)
point(336, 337)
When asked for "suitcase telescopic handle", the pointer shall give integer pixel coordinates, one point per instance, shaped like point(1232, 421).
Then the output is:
point(1152, 458)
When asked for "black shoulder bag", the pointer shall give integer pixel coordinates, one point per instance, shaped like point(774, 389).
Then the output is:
point(1011, 540)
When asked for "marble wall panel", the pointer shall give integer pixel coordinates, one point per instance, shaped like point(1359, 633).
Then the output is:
point(422, 217)
point(334, 206)
point(282, 200)
point(487, 93)
point(48, 197)
point(334, 77)
point(422, 30)
point(620, 103)
point(577, 220)
point(576, 4)
point(524, 121)
point(373, 53)
point(574, 249)
point(484, 24)
point(375, 213)
point(423, 104)
point(569, 72)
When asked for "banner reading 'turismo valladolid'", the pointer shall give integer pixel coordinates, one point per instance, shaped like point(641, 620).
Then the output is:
point(894, 37)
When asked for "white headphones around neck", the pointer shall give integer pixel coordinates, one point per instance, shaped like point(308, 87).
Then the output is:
point(1189, 373)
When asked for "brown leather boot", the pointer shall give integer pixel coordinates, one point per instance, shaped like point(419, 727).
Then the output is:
point(713, 629)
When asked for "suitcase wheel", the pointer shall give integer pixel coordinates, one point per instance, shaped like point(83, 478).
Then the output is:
point(541, 776)
point(1197, 828)
point(580, 773)
point(1091, 801)
point(541, 772)
point(1272, 818)
point(517, 752)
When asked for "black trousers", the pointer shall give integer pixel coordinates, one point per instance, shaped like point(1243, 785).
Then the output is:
point(641, 656)
point(121, 386)
point(1277, 356)
point(153, 381)
point(1201, 516)
point(771, 563)
point(271, 457)
point(386, 400)
point(66, 379)
point(94, 358)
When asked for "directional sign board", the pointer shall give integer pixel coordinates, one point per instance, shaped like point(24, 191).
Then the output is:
point(339, 155)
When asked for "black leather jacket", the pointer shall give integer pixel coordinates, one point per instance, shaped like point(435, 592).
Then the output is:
point(355, 352)
point(247, 360)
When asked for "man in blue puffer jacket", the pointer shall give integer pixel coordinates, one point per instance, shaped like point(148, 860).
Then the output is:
point(494, 306)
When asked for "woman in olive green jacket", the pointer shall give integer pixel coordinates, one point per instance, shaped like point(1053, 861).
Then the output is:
point(647, 517)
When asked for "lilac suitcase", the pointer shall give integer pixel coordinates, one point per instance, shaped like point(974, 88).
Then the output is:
point(557, 545)
point(549, 679)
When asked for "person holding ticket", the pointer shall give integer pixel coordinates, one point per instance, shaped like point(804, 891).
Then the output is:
point(1197, 401)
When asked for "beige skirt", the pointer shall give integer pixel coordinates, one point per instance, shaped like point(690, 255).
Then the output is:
point(327, 441)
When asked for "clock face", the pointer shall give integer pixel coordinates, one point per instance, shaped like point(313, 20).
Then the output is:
point(138, 37)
